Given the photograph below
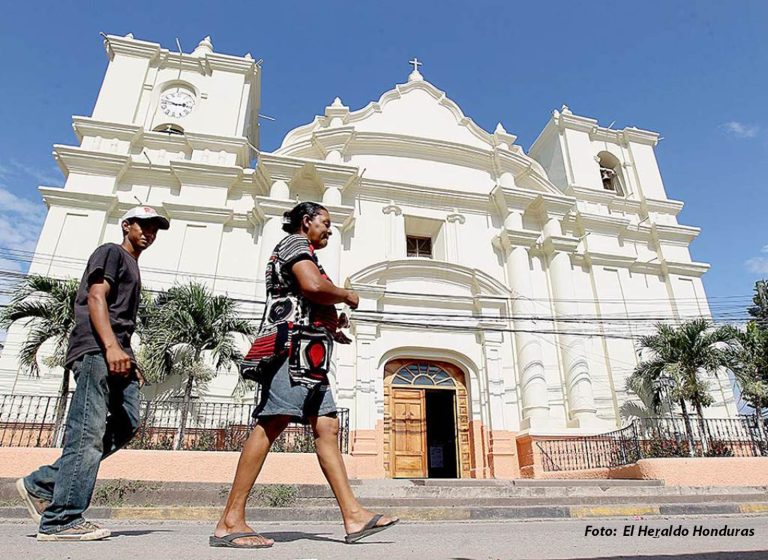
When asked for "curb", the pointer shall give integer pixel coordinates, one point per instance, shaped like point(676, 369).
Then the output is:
point(183, 513)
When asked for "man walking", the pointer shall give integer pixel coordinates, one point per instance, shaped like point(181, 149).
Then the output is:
point(104, 412)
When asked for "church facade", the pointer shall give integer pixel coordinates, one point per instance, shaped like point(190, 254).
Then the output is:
point(501, 292)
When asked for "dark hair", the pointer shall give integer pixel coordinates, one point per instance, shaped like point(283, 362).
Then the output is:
point(292, 219)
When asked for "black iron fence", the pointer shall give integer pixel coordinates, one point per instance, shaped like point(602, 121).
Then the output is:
point(746, 436)
point(31, 421)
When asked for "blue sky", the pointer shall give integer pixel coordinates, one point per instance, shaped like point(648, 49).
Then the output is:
point(694, 71)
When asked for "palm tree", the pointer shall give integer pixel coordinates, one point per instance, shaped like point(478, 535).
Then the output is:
point(760, 300)
point(46, 306)
point(684, 353)
point(183, 323)
point(749, 364)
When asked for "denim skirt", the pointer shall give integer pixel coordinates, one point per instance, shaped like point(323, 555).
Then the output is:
point(279, 396)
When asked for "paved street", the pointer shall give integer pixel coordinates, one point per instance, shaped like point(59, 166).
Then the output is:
point(424, 541)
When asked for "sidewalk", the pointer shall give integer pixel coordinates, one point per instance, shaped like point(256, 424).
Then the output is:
point(539, 540)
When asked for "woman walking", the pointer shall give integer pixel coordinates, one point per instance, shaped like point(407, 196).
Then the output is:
point(297, 291)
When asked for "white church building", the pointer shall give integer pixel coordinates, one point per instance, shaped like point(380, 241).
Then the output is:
point(501, 291)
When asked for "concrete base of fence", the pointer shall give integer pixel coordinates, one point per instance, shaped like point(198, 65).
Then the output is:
point(678, 471)
point(699, 471)
point(188, 466)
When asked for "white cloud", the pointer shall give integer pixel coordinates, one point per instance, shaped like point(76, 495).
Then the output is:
point(17, 171)
point(758, 265)
point(741, 130)
point(20, 223)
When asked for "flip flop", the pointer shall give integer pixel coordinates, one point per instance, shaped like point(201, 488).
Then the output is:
point(227, 541)
point(369, 529)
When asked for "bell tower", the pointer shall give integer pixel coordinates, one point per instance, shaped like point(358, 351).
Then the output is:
point(161, 90)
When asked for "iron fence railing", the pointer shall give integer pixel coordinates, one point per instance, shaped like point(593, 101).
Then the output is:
point(746, 436)
point(30, 421)
point(619, 447)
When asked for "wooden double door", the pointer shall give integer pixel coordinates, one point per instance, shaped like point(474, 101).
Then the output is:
point(425, 432)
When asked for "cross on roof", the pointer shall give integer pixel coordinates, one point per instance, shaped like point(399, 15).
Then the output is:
point(416, 64)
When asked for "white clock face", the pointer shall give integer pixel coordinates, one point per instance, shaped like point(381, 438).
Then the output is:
point(177, 103)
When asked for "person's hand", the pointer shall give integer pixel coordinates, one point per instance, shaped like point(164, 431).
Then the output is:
point(118, 362)
point(343, 321)
point(140, 377)
point(353, 300)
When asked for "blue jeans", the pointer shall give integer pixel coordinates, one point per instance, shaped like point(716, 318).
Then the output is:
point(103, 417)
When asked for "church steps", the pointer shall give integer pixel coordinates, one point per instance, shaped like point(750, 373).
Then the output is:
point(418, 500)
point(424, 513)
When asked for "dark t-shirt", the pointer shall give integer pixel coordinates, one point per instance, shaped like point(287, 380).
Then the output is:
point(121, 270)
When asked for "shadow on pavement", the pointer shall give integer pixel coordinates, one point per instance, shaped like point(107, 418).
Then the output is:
point(138, 532)
point(290, 536)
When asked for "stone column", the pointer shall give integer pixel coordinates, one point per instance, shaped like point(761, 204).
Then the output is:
point(394, 232)
point(452, 237)
point(502, 448)
point(492, 342)
point(578, 380)
point(271, 231)
point(530, 361)
point(365, 415)
point(330, 257)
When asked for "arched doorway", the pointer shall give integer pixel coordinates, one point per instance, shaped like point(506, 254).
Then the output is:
point(426, 420)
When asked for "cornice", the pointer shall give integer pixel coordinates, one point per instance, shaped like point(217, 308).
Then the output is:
point(88, 162)
point(342, 215)
point(672, 207)
point(510, 198)
point(64, 197)
point(328, 139)
point(407, 193)
point(265, 207)
point(183, 61)
point(601, 223)
point(401, 145)
point(607, 198)
point(555, 206)
point(140, 170)
point(281, 167)
point(664, 267)
point(639, 231)
point(86, 126)
point(198, 213)
point(231, 144)
point(228, 63)
point(206, 174)
point(162, 141)
point(677, 234)
point(602, 134)
point(477, 282)
point(510, 238)
point(559, 243)
point(691, 269)
point(603, 259)
point(129, 46)
point(527, 171)
point(568, 120)
point(240, 219)
point(638, 136)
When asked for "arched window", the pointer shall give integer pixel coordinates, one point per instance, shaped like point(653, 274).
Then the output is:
point(610, 173)
point(170, 129)
point(423, 375)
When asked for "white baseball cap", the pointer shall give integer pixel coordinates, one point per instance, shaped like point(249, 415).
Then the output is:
point(146, 213)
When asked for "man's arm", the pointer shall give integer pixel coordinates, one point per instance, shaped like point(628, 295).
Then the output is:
point(320, 290)
point(118, 361)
